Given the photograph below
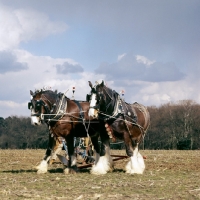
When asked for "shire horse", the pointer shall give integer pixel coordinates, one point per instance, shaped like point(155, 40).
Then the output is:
point(128, 122)
point(65, 118)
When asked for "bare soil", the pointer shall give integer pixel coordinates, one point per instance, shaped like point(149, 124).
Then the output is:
point(168, 175)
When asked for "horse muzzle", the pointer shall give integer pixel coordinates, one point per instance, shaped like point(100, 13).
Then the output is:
point(93, 112)
point(35, 120)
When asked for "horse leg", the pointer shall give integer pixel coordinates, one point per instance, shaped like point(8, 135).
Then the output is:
point(56, 150)
point(94, 149)
point(72, 164)
point(43, 166)
point(136, 164)
point(103, 161)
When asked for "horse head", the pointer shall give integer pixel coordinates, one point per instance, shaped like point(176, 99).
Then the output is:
point(42, 103)
point(100, 99)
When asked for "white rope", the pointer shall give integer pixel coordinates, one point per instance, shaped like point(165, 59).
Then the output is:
point(72, 121)
point(86, 129)
point(122, 120)
point(65, 113)
point(69, 114)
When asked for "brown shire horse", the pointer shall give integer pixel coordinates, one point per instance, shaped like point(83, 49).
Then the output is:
point(128, 122)
point(65, 118)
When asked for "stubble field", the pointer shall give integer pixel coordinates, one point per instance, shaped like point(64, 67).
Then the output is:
point(168, 175)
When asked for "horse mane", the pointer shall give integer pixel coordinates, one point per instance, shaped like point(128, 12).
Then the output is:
point(46, 90)
point(49, 90)
point(111, 90)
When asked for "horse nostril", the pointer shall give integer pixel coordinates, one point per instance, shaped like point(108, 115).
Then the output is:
point(35, 124)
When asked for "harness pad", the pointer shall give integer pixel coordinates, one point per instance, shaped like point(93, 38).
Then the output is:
point(80, 108)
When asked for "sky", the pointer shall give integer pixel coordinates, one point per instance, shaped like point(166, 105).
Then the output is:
point(149, 49)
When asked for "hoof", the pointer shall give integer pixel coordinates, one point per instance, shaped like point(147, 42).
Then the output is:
point(104, 165)
point(66, 171)
point(42, 167)
point(96, 170)
point(72, 170)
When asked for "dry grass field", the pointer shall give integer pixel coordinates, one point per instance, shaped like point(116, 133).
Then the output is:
point(168, 175)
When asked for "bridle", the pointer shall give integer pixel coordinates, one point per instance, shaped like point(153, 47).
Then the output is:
point(38, 104)
point(99, 95)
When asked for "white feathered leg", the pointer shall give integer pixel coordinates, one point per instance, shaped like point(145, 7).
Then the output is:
point(136, 164)
point(102, 164)
point(43, 166)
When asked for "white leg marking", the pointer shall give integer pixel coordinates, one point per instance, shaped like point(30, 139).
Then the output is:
point(42, 167)
point(103, 164)
point(97, 156)
point(73, 160)
point(136, 164)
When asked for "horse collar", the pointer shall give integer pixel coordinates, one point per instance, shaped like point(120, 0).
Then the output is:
point(61, 106)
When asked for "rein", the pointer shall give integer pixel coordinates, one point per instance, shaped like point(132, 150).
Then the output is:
point(116, 118)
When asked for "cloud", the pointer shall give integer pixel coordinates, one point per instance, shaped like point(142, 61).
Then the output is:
point(144, 60)
point(138, 67)
point(22, 25)
point(37, 25)
point(11, 108)
point(121, 56)
point(67, 67)
point(162, 72)
point(8, 63)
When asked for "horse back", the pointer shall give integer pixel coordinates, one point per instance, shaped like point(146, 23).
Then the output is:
point(143, 117)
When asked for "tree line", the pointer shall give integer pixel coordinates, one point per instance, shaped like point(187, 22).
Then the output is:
point(173, 126)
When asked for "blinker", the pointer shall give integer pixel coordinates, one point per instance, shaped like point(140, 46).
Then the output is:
point(30, 105)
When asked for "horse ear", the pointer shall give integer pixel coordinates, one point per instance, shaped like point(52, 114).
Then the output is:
point(90, 84)
point(102, 83)
point(31, 93)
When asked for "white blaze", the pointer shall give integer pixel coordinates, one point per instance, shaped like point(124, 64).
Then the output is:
point(93, 101)
point(34, 119)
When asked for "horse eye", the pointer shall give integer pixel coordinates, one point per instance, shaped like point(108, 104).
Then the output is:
point(38, 106)
point(93, 90)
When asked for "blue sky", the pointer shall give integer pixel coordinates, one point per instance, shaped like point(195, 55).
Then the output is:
point(150, 49)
